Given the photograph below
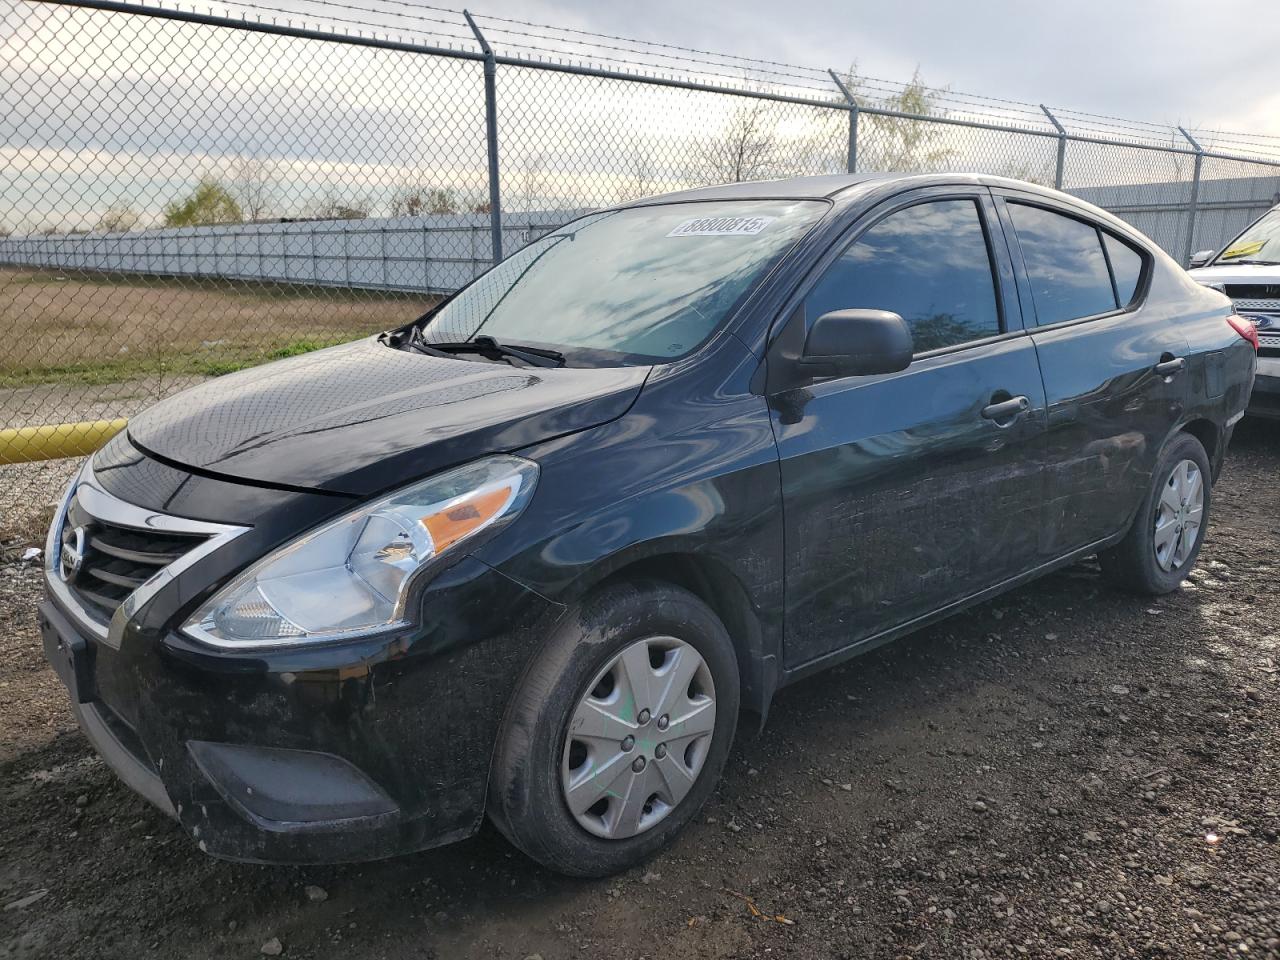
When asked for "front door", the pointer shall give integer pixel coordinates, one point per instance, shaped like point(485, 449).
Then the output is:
point(905, 492)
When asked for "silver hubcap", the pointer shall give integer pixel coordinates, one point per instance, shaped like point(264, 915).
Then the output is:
point(1178, 515)
point(638, 738)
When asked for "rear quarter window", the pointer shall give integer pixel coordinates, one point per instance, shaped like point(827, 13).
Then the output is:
point(1126, 265)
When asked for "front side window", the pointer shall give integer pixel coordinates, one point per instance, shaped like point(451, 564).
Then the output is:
point(1065, 264)
point(1259, 244)
point(928, 263)
point(643, 284)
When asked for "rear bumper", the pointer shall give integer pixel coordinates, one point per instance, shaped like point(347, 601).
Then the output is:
point(1265, 399)
point(289, 760)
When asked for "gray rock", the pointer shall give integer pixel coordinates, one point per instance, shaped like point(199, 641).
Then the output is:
point(24, 902)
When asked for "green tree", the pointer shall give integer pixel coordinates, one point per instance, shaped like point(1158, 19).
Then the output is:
point(210, 202)
point(901, 144)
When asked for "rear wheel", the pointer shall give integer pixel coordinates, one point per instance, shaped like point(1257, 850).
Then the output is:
point(1164, 541)
point(619, 730)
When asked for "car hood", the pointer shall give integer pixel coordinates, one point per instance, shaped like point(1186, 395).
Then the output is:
point(1243, 273)
point(363, 417)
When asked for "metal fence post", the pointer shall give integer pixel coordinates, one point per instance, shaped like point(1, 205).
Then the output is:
point(1062, 147)
point(491, 134)
point(853, 121)
point(1195, 198)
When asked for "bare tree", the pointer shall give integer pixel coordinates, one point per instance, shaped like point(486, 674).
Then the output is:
point(642, 181)
point(744, 151)
point(533, 180)
point(252, 180)
point(332, 205)
point(416, 201)
point(1043, 173)
point(117, 218)
point(406, 202)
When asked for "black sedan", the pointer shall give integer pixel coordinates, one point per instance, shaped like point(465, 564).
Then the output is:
point(532, 555)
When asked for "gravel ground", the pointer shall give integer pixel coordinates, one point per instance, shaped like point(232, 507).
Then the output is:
point(1064, 772)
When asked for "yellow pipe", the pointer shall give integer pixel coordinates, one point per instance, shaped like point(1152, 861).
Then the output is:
point(27, 444)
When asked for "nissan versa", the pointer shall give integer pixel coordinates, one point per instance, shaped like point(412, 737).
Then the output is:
point(530, 555)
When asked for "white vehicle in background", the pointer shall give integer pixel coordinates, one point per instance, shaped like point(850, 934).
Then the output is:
point(1248, 271)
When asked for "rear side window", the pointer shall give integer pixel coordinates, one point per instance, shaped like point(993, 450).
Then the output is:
point(1126, 265)
point(927, 263)
point(1065, 263)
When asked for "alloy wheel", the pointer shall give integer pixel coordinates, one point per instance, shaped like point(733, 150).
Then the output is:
point(638, 738)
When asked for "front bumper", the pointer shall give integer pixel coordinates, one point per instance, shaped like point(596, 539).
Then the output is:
point(317, 756)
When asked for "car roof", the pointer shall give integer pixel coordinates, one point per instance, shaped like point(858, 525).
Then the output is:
point(829, 186)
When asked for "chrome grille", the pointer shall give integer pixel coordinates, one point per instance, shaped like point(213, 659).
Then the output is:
point(1247, 303)
point(104, 562)
point(105, 555)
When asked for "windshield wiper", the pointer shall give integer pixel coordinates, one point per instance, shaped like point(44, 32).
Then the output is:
point(490, 348)
point(1247, 262)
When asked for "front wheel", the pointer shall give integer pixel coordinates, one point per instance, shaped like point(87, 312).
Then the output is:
point(1161, 547)
point(618, 732)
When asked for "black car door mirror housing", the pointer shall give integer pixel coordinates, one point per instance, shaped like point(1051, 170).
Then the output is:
point(857, 343)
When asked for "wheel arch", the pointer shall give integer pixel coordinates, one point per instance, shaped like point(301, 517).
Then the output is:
point(713, 582)
point(1210, 437)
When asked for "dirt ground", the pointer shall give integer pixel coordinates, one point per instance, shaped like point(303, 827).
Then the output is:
point(1064, 772)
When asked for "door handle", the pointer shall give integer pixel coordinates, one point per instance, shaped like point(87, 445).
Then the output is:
point(1171, 367)
point(1006, 410)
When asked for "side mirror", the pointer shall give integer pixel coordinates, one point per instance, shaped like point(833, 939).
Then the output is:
point(857, 343)
point(1200, 258)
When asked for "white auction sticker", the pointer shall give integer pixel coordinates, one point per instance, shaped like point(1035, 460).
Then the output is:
point(721, 227)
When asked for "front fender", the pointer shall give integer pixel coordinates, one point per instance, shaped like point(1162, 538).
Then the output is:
point(701, 508)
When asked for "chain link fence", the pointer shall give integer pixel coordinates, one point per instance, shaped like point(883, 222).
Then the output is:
point(183, 194)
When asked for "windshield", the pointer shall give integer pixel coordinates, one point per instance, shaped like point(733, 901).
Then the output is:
point(640, 285)
point(1259, 244)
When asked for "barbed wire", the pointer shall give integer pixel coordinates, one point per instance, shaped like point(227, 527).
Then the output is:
point(539, 42)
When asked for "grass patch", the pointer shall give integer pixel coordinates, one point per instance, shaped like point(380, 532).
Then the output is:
point(192, 364)
point(89, 330)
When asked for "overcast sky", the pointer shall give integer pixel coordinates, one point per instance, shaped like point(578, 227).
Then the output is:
point(96, 120)
point(1199, 63)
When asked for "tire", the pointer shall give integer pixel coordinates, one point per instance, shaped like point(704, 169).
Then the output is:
point(537, 762)
point(1135, 564)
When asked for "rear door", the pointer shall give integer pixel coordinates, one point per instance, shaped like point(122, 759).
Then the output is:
point(907, 491)
point(1115, 371)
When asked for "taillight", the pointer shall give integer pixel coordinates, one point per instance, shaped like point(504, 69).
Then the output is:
point(1245, 328)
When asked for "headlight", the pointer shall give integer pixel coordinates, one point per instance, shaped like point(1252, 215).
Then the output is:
point(353, 575)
